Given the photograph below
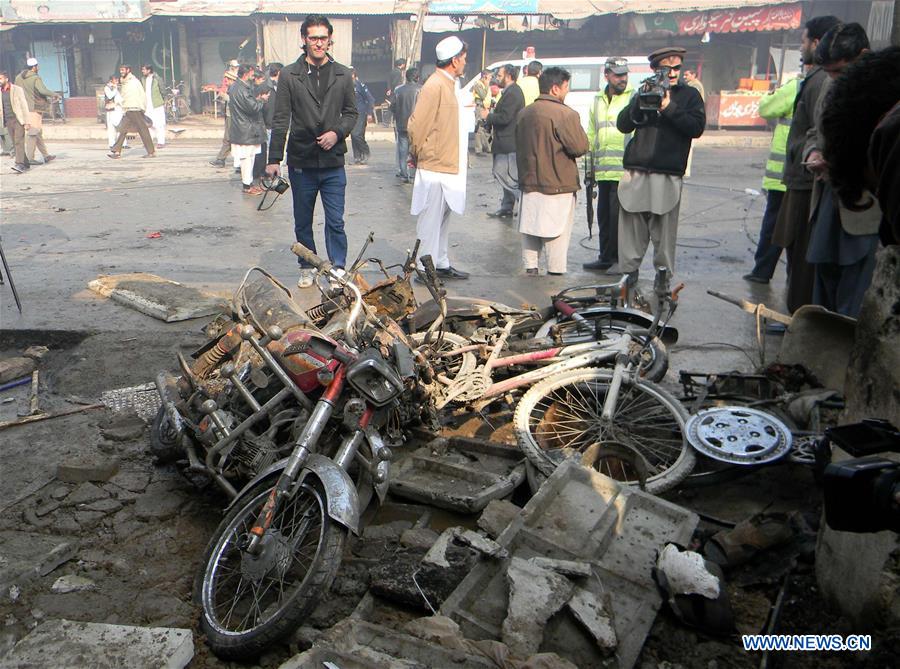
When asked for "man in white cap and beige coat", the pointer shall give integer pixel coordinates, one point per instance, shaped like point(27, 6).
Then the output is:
point(438, 138)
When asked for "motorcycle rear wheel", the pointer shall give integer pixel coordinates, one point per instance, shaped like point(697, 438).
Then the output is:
point(163, 439)
point(248, 602)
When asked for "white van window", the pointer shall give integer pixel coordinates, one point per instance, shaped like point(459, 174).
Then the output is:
point(584, 78)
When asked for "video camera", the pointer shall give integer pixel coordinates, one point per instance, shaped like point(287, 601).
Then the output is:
point(862, 494)
point(653, 90)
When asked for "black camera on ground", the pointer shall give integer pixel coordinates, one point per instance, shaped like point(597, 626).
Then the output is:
point(863, 494)
point(653, 90)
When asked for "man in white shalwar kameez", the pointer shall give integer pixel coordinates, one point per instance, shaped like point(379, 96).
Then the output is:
point(438, 135)
point(156, 105)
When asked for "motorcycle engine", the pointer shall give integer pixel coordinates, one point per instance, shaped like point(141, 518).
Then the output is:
point(256, 452)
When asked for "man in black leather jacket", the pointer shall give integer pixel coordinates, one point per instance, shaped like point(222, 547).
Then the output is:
point(247, 129)
point(316, 101)
point(402, 104)
point(502, 122)
point(655, 161)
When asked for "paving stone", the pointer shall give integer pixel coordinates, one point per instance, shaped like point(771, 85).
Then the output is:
point(158, 502)
point(46, 508)
point(88, 519)
point(26, 555)
point(535, 594)
point(65, 523)
point(72, 583)
point(121, 494)
point(87, 467)
point(104, 506)
point(131, 480)
point(15, 368)
point(593, 612)
point(29, 514)
point(65, 643)
point(496, 516)
point(85, 494)
point(123, 426)
point(418, 537)
point(391, 530)
point(59, 492)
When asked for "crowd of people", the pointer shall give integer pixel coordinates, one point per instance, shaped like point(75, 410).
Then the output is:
point(832, 170)
point(827, 189)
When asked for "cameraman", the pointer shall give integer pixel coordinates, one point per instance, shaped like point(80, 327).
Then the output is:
point(655, 161)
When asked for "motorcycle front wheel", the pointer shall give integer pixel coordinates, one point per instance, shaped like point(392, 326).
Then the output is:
point(247, 602)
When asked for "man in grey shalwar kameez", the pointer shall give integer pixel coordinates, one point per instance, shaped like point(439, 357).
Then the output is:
point(655, 162)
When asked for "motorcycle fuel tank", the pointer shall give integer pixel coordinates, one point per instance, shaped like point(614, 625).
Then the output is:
point(304, 354)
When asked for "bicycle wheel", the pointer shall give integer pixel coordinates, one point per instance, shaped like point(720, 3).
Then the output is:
point(560, 417)
point(246, 601)
point(606, 328)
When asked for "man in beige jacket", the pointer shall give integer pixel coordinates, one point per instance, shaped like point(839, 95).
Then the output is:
point(134, 102)
point(438, 138)
point(14, 112)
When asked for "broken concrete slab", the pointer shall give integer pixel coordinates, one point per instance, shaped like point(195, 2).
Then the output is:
point(25, 556)
point(535, 594)
point(15, 368)
point(124, 425)
point(158, 502)
point(437, 553)
point(594, 613)
point(135, 481)
point(65, 643)
point(37, 353)
point(496, 516)
point(95, 467)
point(581, 515)
point(72, 583)
point(459, 474)
point(418, 537)
point(85, 494)
point(396, 576)
point(155, 296)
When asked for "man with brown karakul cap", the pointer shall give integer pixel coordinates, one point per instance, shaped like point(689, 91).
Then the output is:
point(655, 161)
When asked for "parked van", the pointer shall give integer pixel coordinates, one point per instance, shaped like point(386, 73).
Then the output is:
point(587, 77)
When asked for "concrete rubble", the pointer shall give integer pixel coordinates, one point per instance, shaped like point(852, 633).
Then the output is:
point(65, 643)
point(535, 594)
point(155, 296)
point(582, 516)
point(25, 556)
point(686, 573)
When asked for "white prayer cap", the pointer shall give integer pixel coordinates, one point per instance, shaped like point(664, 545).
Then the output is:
point(31, 62)
point(448, 47)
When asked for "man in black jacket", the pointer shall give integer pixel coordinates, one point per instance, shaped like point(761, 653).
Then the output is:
point(316, 101)
point(502, 122)
point(246, 127)
point(402, 105)
point(655, 161)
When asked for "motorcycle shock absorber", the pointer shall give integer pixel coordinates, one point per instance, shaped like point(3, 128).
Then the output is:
point(317, 314)
point(211, 358)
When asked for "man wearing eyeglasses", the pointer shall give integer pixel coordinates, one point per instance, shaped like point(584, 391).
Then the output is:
point(316, 100)
point(655, 161)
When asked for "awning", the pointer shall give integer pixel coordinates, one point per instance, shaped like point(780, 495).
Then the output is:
point(14, 12)
point(204, 7)
point(338, 7)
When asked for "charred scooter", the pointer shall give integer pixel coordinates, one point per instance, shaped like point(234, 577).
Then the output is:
point(301, 415)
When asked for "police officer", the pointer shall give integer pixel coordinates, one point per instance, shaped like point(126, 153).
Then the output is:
point(607, 150)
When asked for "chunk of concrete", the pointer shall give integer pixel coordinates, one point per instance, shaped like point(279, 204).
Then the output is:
point(569, 568)
point(15, 368)
point(405, 578)
point(437, 554)
point(124, 425)
point(582, 516)
point(535, 594)
point(25, 556)
point(496, 516)
point(95, 467)
point(65, 643)
point(85, 494)
point(155, 296)
point(158, 502)
point(418, 537)
point(481, 544)
point(36, 352)
point(591, 611)
point(72, 583)
point(686, 573)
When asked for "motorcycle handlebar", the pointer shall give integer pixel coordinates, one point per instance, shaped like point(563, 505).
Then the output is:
point(310, 258)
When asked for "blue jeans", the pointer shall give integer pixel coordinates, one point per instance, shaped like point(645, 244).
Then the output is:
point(306, 184)
point(767, 254)
point(402, 153)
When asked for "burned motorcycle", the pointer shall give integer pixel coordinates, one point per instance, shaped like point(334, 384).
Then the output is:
point(302, 413)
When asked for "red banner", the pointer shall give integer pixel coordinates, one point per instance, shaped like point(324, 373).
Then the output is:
point(753, 19)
